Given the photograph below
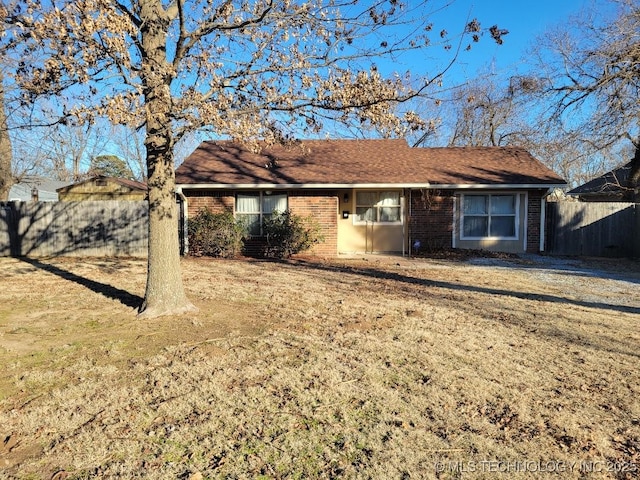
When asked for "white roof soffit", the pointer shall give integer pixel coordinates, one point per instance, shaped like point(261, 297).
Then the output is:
point(325, 186)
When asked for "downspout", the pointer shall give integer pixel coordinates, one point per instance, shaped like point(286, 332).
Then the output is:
point(454, 230)
point(525, 240)
point(409, 226)
point(185, 213)
point(404, 221)
point(543, 219)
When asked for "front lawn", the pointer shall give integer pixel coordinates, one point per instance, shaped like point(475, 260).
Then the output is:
point(371, 367)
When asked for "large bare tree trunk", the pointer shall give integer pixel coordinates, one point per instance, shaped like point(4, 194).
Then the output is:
point(164, 294)
point(6, 179)
point(165, 291)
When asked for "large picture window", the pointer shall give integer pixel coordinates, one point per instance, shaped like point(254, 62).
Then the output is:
point(252, 208)
point(378, 207)
point(489, 216)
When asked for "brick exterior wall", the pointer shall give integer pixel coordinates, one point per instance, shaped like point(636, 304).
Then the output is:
point(322, 206)
point(432, 217)
point(533, 220)
point(217, 202)
point(431, 221)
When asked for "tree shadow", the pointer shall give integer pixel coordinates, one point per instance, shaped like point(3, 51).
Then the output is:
point(593, 229)
point(398, 277)
point(128, 299)
point(88, 228)
point(420, 287)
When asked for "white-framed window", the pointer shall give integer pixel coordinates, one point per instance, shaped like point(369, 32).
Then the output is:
point(378, 206)
point(252, 208)
point(492, 215)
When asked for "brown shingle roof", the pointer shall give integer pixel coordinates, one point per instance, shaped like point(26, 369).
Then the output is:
point(133, 184)
point(361, 162)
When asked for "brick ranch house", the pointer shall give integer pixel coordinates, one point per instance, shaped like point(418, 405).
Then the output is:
point(378, 196)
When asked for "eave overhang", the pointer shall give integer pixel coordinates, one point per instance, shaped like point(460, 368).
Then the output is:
point(339, 186)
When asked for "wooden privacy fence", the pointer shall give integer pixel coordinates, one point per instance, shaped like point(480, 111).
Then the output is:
point(593, 229)
point(88, 228)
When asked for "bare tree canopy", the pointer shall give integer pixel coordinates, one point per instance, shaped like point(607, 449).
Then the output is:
point(592, 74)
point(576, 104)
point(486, 113)
point(244, 69)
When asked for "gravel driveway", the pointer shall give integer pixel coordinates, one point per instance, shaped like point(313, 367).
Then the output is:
point(594, 280)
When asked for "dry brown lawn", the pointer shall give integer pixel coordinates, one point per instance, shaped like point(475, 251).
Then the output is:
point(371, 367)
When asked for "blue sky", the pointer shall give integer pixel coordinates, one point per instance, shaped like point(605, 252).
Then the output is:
point(525, 20)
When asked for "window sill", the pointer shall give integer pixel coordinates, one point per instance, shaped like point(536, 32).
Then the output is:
point(366, 224)
point(489, 238)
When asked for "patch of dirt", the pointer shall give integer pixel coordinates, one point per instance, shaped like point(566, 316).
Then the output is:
point(372, 366)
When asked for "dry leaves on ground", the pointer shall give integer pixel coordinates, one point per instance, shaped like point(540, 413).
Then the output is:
point(373, 367)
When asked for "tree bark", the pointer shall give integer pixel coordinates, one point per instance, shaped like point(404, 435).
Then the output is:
point(6, 178)
point(165, 293)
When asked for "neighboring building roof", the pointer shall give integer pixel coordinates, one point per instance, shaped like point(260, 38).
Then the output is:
point(125, 182)
point(133, 184)
point(361, 163)
point(613, 184)
point(47, 189)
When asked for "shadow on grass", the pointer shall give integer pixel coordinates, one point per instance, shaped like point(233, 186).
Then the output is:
point(613, 344)
point(398, 277)
point(109, 291)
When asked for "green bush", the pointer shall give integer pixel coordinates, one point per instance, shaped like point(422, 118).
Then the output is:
point(215, 235)
point(287, 234)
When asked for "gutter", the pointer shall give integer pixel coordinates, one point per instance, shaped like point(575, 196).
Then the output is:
point(325, 186)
